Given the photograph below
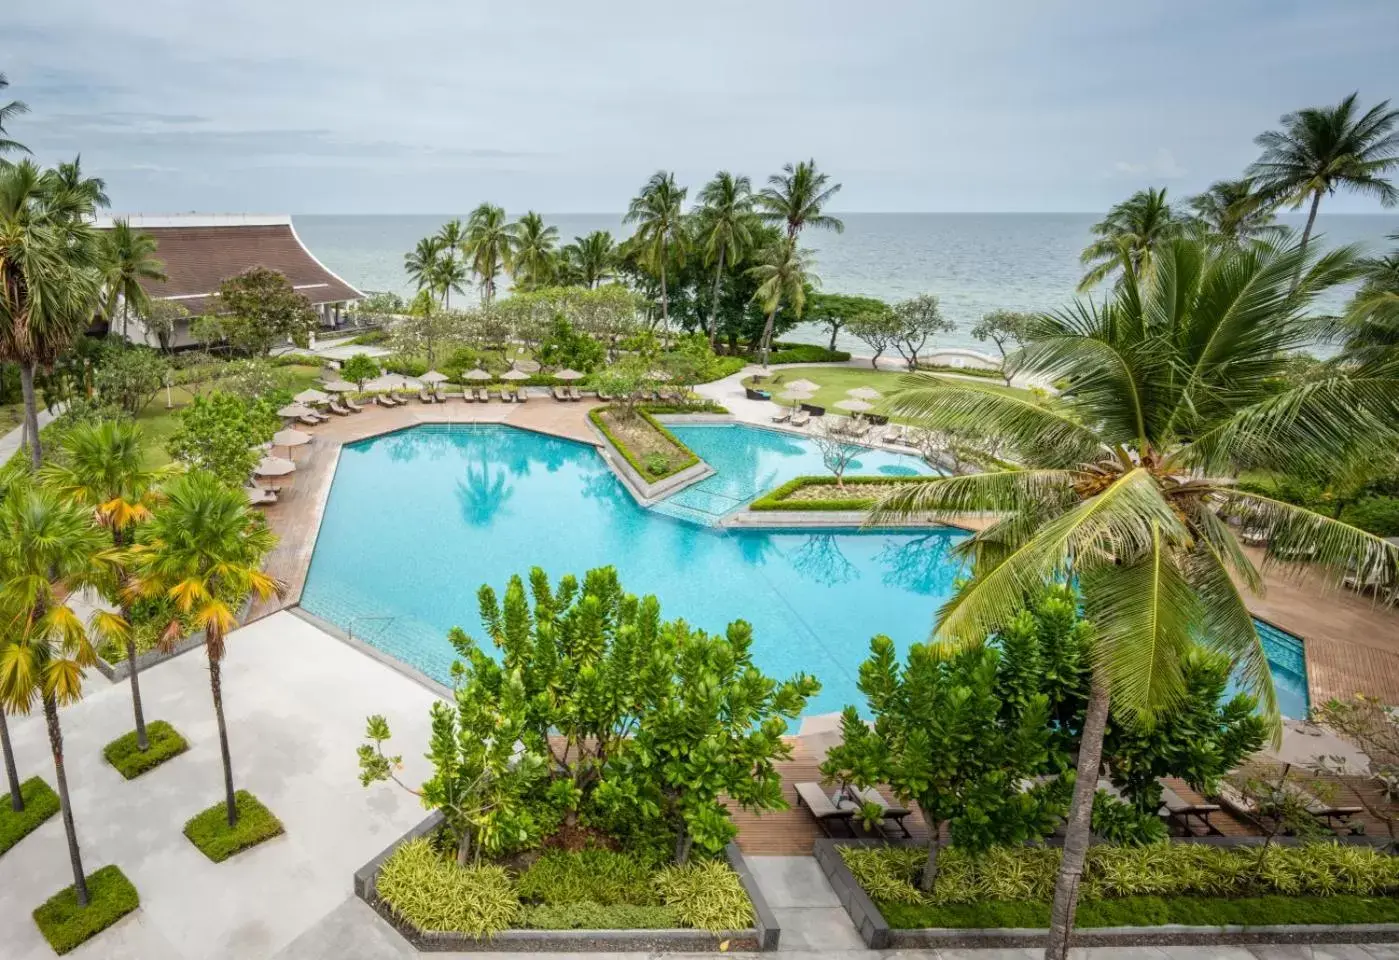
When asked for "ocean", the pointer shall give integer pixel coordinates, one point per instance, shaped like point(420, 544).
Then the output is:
point(973, 262)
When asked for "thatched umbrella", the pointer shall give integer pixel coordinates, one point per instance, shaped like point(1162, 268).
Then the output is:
point(288, 439)
point(514, 375)
point(568, 373)
point(294, 410)
point(477, 374)
point(433, 377)
point(855, 406)
point(865, 393)
point(795, 397)
point(274, 468)
point(311, 395)
point(528, 366)
point(341, 386)
point(804, 385)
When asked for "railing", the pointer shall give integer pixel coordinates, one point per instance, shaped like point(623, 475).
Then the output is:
point(350, 627)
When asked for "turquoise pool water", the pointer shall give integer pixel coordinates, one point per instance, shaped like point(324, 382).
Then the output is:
point(418, 520)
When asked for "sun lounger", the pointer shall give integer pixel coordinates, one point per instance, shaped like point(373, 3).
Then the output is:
point(336, 409)
point(257, 496)
point(801, 418)
point(353, 407)
point(825, 810)
point(892, 812)
point(424, 396)
point(384, 400)
point(481, 395)
point(521, 395)
point(895, 434)
point(857, 430)
point(604, 396)
point(782, 416)
point(574, 395)
point(1254, 536)
point(310, 421)
point(1327, 813)
point(559, 395)
point(1179, 812)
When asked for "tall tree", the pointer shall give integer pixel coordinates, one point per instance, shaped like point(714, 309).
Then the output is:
point(447, 277)
point(8, 112)
point(451, 238)
point(49, 550)
point(783, 276)
point(1372, 321)
point(263, 309)
point(725, 229)
point(1129, 234)
point(796, 197)
point(1321, 150)
point(1234, 212)
point(535, 258)
point(591, 259)
point(102, 468)
point(1173, 382)
point(14, 478)
point(656, 211)
point(76, 194)
point(50, 277)
point(421, 263)
point(203, 548)
point(490, 245)
point(128, 257)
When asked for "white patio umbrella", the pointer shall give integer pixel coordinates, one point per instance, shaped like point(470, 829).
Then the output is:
point(311, 395)
point(477, 374)
point(568, 373)
point(290, 438)
point(514, 375)
point(274, 468)
point(804, 385)
point(432, 376)
point(294, 410)
point(795, 397)
point(865, 393)
point(855, 406)
point(341, 386)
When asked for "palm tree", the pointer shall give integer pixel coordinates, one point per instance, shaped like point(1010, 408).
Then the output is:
point(128, 257)
point(1324, 149)
point(1173, 384)
point(451, 237)
point(1372, 321)
point(796, 196)
point(8, 112)
point(448, 275)
point(74, 193)
point(49, 550)
point(535, 260)
point(102, 468)
point(725, 229)
point(13, 479)
point(490, 243)
point(783, 274)
point(421, 263)
point(1234, 212)
point(659, 228)
point(1131, 232)
point(592, 259)
point(203, 548)
point(49, 277)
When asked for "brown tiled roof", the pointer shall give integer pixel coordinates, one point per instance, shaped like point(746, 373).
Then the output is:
point(199, 258)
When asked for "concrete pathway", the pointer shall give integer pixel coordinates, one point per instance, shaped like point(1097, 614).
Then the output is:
point(12, 441)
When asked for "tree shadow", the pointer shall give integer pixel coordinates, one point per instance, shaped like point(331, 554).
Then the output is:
point(820, 558)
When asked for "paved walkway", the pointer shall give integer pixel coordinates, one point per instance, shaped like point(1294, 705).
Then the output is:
point(12, 441)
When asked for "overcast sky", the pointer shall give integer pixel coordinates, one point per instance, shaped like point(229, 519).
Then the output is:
point(421, 106)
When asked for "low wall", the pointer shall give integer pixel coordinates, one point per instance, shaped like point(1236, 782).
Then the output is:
point(644, 491)
point(144, 661)
point(765, 934)
point(878, 935)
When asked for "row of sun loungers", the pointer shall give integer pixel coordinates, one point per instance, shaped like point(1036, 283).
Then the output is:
point(841, 809)
point(566, 394)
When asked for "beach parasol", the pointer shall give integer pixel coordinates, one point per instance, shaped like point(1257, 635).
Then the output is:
point(568, 373)
point(865, 393)
point(855, 405)
point(290, 438)
point(514, 375)
point(804, 385)
point(311, 396)
point(795, 397)
point(340, 386)
point(477, 374)
point(295, 410)
point(274, 468)
point(389, 381)
point(432, 376)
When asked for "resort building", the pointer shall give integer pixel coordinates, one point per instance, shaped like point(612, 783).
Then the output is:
point(201, 251)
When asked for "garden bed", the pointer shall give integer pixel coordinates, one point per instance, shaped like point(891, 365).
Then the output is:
point(66, 925)
point(40, 803)
point(591, 900)
point(163, 743)
point(821, 493)
point(210, 832)
point(1166, 894)
point(651, 449)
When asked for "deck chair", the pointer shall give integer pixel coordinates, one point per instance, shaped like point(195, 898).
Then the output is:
point(1329, 814)
point(782, 416)
point(574, 395)
point(259, 496)
point(336, 409)
point(521, 395)
point(825, 811)
point(892, 812)
point(801, 418)
point(353, 407)
point(482, 396)
point(1179, 812)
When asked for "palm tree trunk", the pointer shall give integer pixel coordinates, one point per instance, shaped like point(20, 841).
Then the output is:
point(11, 773)
point(56, 745)
point(1078, 832)
point(142, 743)
point(835, 329)
point(665, 301)
point(125, 319)
point(766, 343)
point(714, 304)
point(216, 685)
point(1306, 237)
point(31, 412)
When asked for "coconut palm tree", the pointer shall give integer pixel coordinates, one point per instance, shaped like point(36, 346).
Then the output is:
point(783, 274)
point(535, 257)
point(102, 467)
point(128, 257)
point(795, 198)
point(1321, 150)
point(660, 234)
point(50, 277)
point(7, 113)
point(422, 261)
point(203, 548)
point(1372, 321)
point(49, 550)
point(591, 259)
point(725, 229)
point(1123, 485)
point(451, 237)
point(14, 477)
point(1130, 233)
point(448, 276)
point(73, 193)
point(490, 244)
point(1234, 212)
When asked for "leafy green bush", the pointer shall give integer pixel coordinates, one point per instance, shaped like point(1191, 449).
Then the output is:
point(1377, 515)
point(210, 832)
point(164, 742)
point(433, 893)
point(602, 877)
point(806, 353)
point(65, 924)
point(693, 406)
point(40, 803)
point(725, 367)
point(963, 371)
point(369, 338)
point(592, 916)
point(707, 895)
point(779, 498)
point(656, 464)
point(684, 459)
point(403, 366)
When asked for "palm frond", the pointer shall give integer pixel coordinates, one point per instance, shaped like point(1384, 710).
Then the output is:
point(1303, 539)
point(998, 492)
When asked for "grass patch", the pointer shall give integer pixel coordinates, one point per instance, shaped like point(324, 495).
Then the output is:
point(586, 915)
point(834, 384)
point(1149, 912)
point(210, 832)
point(651, 449)
point(821, 493)
point(40, 803)
point(66, 925)
point(131, 761)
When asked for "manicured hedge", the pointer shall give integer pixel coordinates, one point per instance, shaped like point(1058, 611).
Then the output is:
point(687, 460)
point(65, 925)
point(964, 371)
point(806, 353)
point(777, 499)
point(40, 803)
point(209, 830)
point(130, 761)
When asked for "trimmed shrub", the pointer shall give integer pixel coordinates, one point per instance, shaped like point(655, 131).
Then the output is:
point(600, 877)
point(592, 916)
point(707, 895)
point(806, 353)
point(685, 459)
point(433, 893)
point(40, 803)
point(964, 371)
point(210, 832)
point(66, 925)
point(131, 761)
point(778, 498)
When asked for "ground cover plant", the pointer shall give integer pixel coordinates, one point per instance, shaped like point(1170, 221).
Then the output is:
point(210, 832)
point(131, 761)
point(651, 449)
point(822, 493)
point(40, 803)
point(66, 924)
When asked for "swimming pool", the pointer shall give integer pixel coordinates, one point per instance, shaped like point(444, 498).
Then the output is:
point(417, 520)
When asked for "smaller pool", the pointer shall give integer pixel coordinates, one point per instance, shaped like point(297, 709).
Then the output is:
point(1288, 660)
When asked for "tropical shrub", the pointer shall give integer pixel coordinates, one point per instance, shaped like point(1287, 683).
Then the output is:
point(130, 377)
point(1377, 515)
point(260, 309)
point(706, 894)
point(358, 369)
point(806, 353)
point(433, 893)
point(585, 915)
point(564, 345)
point(603, 877)
point(220, 432)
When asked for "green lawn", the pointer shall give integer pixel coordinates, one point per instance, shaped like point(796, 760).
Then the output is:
point(835, 382)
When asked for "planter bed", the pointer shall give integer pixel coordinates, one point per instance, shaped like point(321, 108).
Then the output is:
point(641, 438)
point(821, 493)
point(762, 935)
point(1114, 921)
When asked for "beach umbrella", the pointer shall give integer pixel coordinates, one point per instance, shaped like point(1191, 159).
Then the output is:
point(340, 386)
point(568, 373)
point(432, 376)
point(294, 410)
point(311, 396)
point(804, 385)
point(290, 438)
point(865, 393)
point(274, 468)
point(389, 381)
point(795, 397)
point(855, 405)
point(514, 375)
point(477, 374)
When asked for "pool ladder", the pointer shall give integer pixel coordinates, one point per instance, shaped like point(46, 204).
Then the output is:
point(350, 627)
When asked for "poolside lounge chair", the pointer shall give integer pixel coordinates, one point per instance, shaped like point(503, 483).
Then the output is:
point(752, 394)
point(1254, 536)
point(385, 400)
point(353, 407)
point(558, 394)
point(801, 418)
point(424, 396)
point(1330, 815)
point(895, 434)
point(482, 396)
point(857, 430)
point(258, 496)
point(892, 812)
point(336, 409)
point(310, 421)
point(1179, 812)
point(782, 416)
point(574, 395)
point(438, 395)
point(825, 810)
point(521, 395)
